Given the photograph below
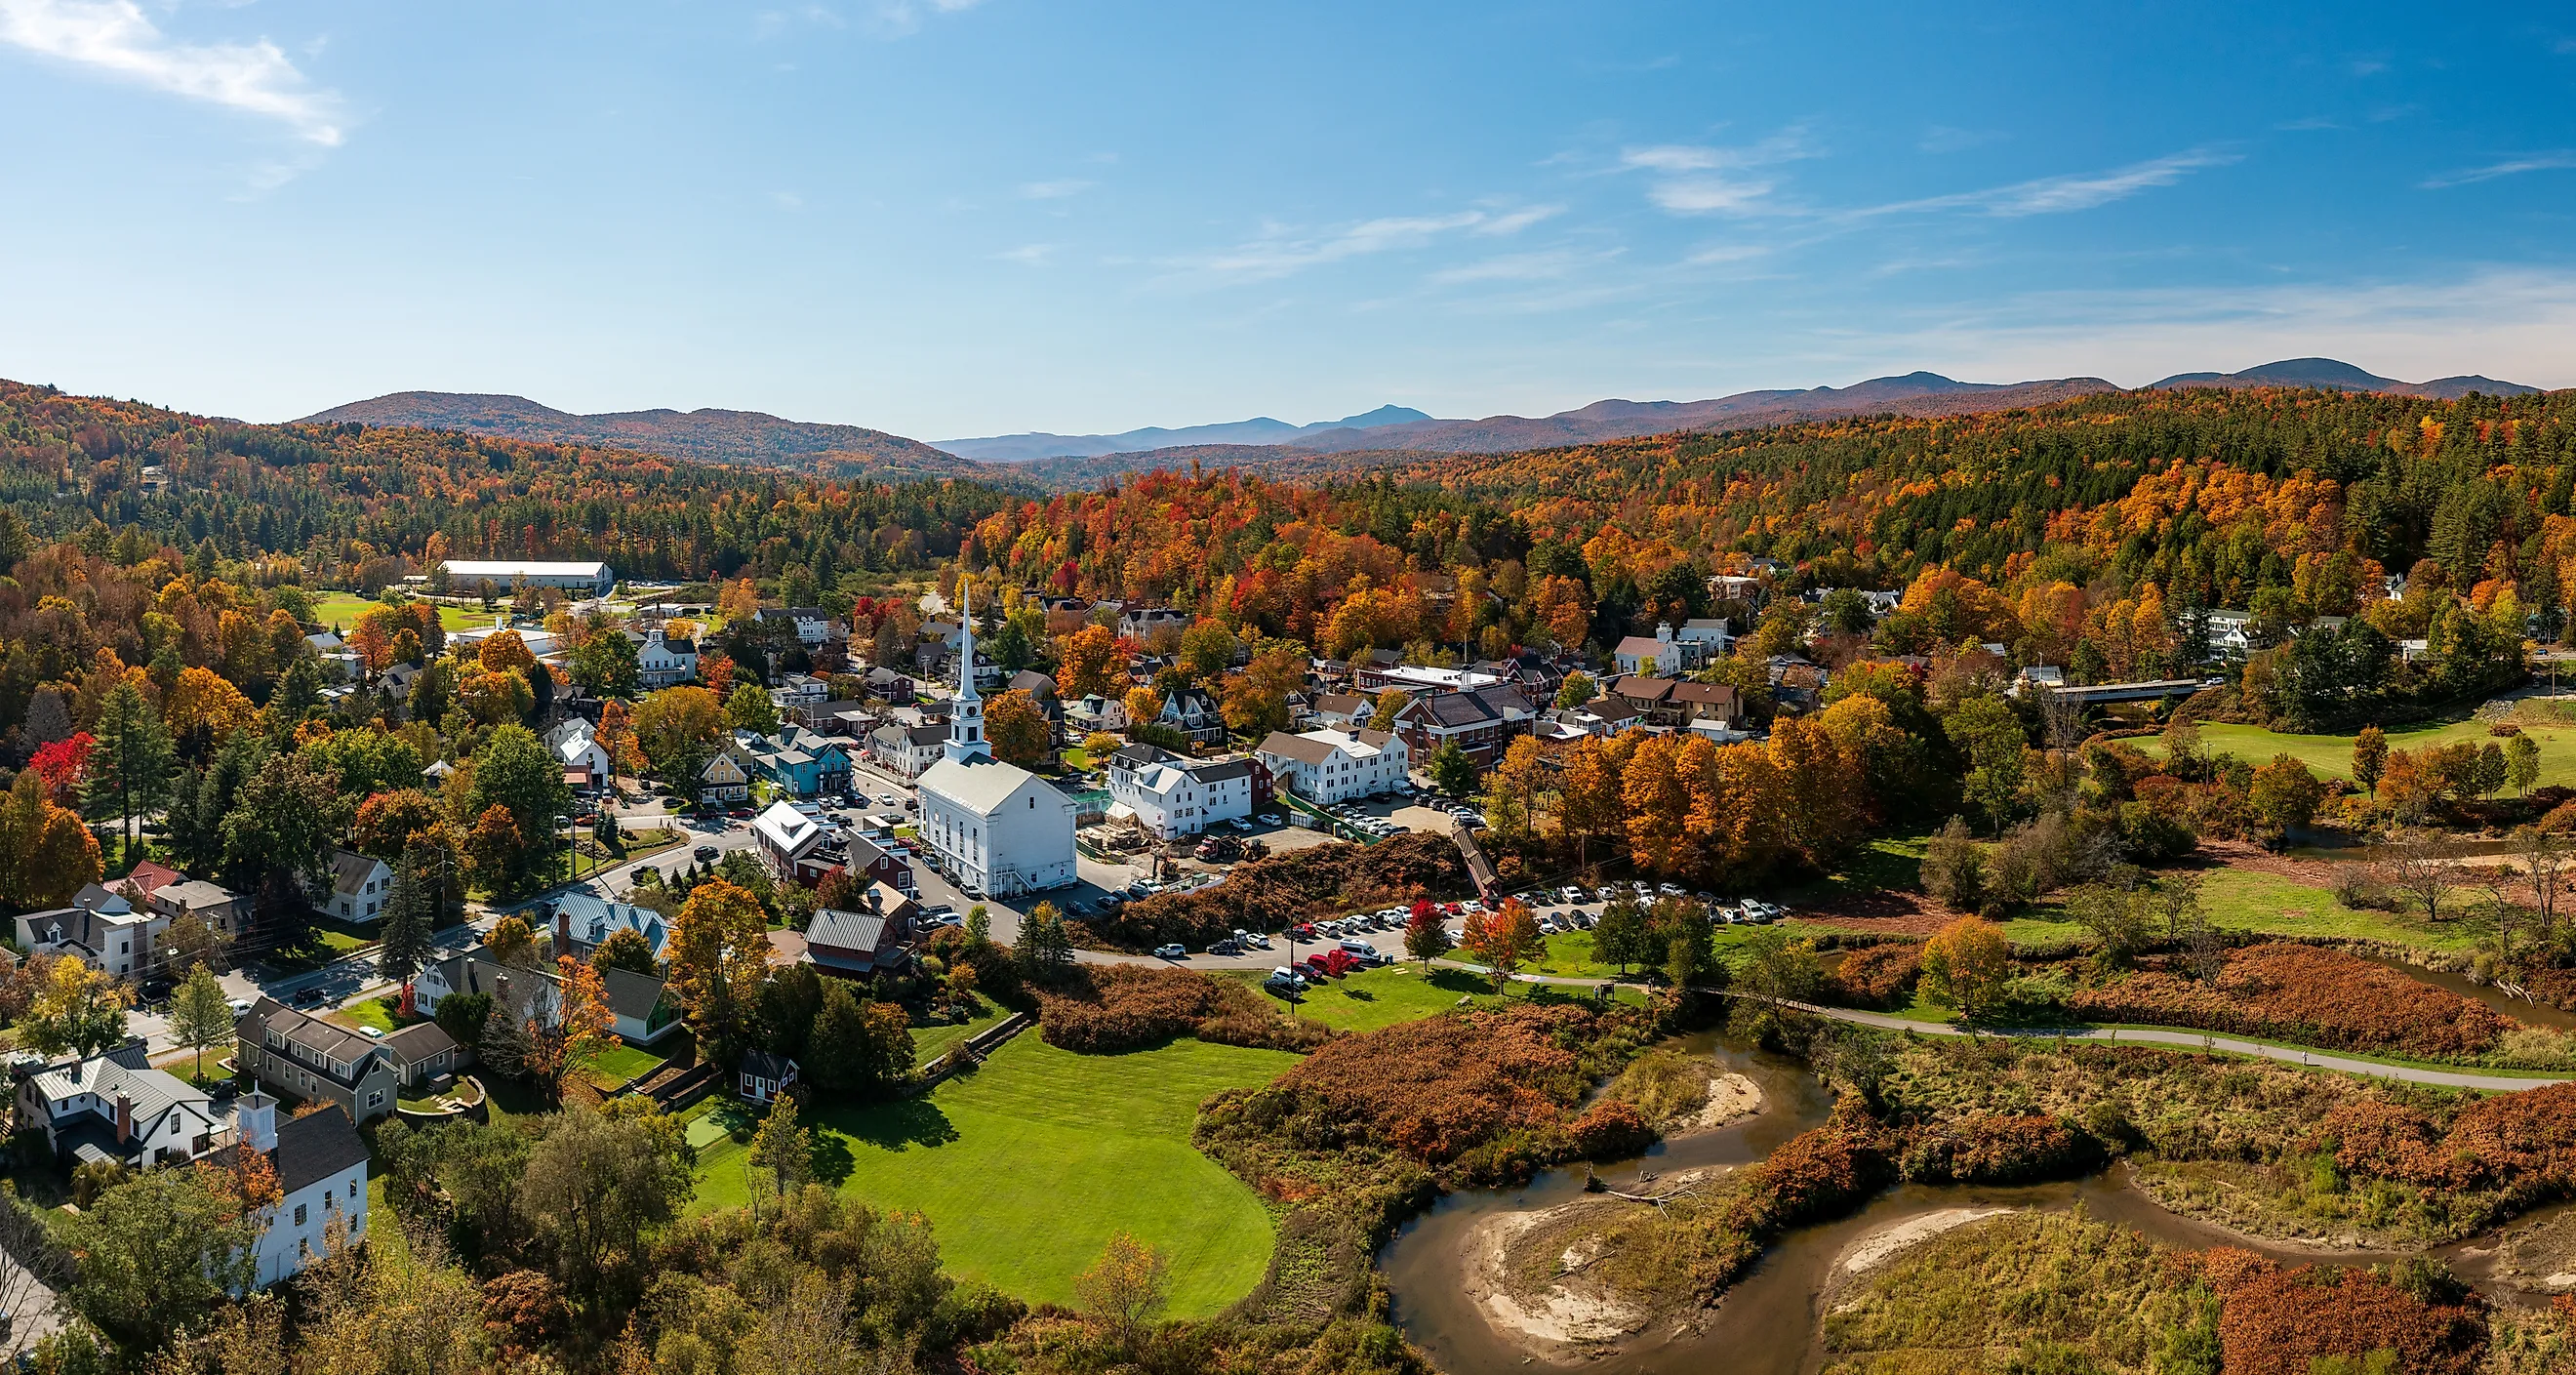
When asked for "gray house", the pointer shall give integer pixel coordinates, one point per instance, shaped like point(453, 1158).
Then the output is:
point(303, 1057)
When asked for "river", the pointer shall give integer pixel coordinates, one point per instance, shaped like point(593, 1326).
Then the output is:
point(1768, 1323)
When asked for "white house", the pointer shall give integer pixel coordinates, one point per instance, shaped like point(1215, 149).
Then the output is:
point(577, 748)
point(103, 930)
point(1711, 633)
point(1195, 714)
point(1668, 653)
point(1141, 623)
point(1327, 766)
point(321, 1165)
point(814, 625)
point(992, 827)
point(661, 662)
point(358, 885)
point(1170, 796)
point(2230, 632)
point(906, 749)
point(112, 1106)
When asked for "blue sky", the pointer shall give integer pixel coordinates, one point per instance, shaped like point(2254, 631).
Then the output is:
point(956, 217)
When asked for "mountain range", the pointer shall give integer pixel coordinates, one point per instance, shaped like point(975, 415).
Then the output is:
point(1060, 461)
point(1262, 430)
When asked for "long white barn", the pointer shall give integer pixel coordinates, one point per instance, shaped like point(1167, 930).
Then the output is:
point(593, 577)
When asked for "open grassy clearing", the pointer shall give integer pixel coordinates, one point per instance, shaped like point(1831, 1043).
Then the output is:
point(621, 1065)
point(383, 1014)
point(2267, 904)
point(1027, 1166)
point(340, 610)
point(1383, 997)
point(2331, 755)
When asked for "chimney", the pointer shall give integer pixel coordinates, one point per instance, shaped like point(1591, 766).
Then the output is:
point(255, 1120)
point(563, 931)
point(124, 1118)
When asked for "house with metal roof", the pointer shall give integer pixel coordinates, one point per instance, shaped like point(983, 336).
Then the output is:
point(105, 930)
point(1481, 721)
point(1168, 796)
point(1328, 766)
point(591, 576)
point(585, 921)
point(862, 940)
point(114, 1106)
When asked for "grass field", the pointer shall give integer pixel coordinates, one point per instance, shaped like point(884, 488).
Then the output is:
point(340, 611)
point(621, 1065)
point(928, 1042)
point(1378, 998)
point(368, 1012)
point(2331, 755)
point(1027, 1166)
point(2268, 904)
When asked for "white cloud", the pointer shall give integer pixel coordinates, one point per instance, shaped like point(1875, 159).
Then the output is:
point(899, 17)
point(2061, 194)
point(1279, 252)
point(787, 200)
point(1028, 254)
point(1717, 254)
point(117, 38)
point(1698, 179)
point(2540, 162)
point(1054, 190)
point(1541, 266)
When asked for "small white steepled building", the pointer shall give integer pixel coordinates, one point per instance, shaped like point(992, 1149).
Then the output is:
point(992, 827)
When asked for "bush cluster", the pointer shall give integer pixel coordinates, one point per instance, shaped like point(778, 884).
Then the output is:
point(1878, 976)
point(2304, 993)
point(2279, 1320)
point(1105, 1009)
point(1274, 893)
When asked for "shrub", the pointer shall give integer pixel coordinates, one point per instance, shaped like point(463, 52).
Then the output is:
point(1105, 1009)
point(2274, 1320)
point(1990, 1148)
point(2307, 994)
point(1276, 892)
point(1610, 1130)
point(1881, 976)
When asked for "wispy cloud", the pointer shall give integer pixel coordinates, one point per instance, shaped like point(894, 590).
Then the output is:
point(1028, 254)
point(1698, 179)
point(1054, 190)
point(1281, 251)
point(1541, 266)
point(115, 37)
point(2511, 167)
point(2060, 195)
point(899, 17)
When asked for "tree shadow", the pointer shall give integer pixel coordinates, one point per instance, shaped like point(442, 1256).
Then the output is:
point(898, 1126)
point(831, 1159)
point(1461, 981)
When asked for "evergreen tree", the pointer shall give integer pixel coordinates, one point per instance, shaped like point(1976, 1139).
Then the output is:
point(131, 765)
point(410, 911)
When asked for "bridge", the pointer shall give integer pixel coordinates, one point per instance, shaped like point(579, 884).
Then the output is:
point(2101, 694)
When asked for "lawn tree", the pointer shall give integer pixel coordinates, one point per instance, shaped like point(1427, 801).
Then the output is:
point(2415, 868)
point(1588, 805)
point(1577, 689)
point(1256, 700)
point(1043, 952)
point(1426, 936)
point(584, 1027)
point(1018, 730)
point(512, 942)
point(1125, 1289)
point(2522, 763)
point(1389, 703)
point(76, 1010)
point(1985, 730)
point(200, 1015)
point(132, 763)
point(781, 1152)
point(278, 840)
point(1100, 744)
point(191, 940)
point(1966, 965)
point(46, 854)
point(2285, 794)
point(677, 729)
point(751, 708)
point(596, 1186)
point(718, 949)
point(1451, 771)
point(1954, 867)
point(1619, 937)
point(1503, 940)
point(160, 1254)
point(1513, 789)
point(2121, 919)
point(2369, 757)
point(1778, 969)
point(409, 913)
point(625, 949)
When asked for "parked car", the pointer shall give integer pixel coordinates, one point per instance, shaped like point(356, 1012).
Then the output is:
point(1225, 947)
point(1547, 927)
point(704, 854)
point(1174, 951)
point(1284, 981)
point(1357, 947)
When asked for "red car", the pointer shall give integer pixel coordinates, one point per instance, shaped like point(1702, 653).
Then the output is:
point(740, 813)
point(1306, 932)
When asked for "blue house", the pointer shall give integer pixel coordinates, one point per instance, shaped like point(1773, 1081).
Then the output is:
point(800, 761)
point(584, 922)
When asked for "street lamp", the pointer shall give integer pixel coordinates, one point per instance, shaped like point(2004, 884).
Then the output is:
point(569, 865)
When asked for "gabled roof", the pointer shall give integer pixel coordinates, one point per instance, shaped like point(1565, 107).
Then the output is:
point(312, 1148)
point(311, 1042)
point(150, 877)
point(593, 919)
point(1706, 694)
point(349, 870)
point(980, 785)
point(839, 929)
point(1643, 647)
point(631, 994)
point(418, 1042)
point(788, 830)
point(148, 1092)
point(1637, 687)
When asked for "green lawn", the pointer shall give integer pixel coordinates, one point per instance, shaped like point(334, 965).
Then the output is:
point(621, 1065)
point(2331, 755)
point(340, 610)
point(2268, 904)
point(1029, 1165)
point(371, 1012)
point(930, 1042)
point(1378, 998)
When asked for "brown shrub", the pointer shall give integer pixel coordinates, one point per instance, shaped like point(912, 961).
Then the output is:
point(1611, 1130)
point(1879, 976)
point(2308, 994)
point(1991, 1148)
point(2278, 1321)
point(1104, 1009)
point(1277, 892)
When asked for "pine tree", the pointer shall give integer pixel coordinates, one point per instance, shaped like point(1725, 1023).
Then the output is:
point(409, 915)
point(132, 762)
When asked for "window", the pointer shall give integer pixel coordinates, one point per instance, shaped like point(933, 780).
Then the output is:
point(376, 1098)
point(299, 1214)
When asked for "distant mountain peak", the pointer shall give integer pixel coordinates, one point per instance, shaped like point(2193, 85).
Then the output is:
point(2339, 375)
point(1035, 445)
point(709, 435)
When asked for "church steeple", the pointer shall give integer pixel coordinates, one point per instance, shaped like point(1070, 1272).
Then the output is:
point(966, 720)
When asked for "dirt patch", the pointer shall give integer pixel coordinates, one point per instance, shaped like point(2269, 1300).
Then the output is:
point(1526, 1275)
point(2238, 854)
point(2537, 1253)
point(1890, 911)
point(1871, 1250)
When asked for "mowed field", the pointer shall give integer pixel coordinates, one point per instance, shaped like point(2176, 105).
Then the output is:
point(1027, 1166)
point(340, 611)
point(2331, 755)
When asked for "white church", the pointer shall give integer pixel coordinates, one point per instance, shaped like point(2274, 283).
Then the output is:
point(994, 828)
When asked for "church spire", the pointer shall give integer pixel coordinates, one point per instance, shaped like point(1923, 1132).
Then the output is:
point(966, 716)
